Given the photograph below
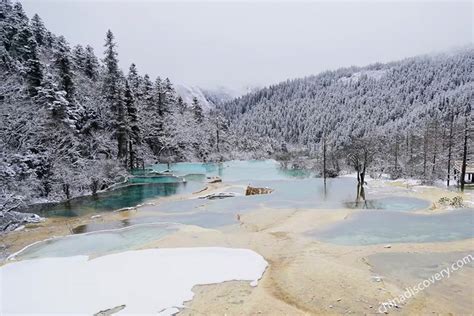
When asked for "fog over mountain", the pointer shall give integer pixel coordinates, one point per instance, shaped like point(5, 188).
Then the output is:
point(239, 43)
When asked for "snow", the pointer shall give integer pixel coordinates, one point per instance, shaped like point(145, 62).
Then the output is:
point(372, 74)
point(147, 281)
point(209, 98)
point(189, 92)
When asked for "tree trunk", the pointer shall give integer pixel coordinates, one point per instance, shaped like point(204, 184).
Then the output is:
point(217, 136)
point(122, 144)
point(435, 152)
point(130, 149)
point(411, 155)
point(425, 149)
point(464, 155)
point(450, 145)
point(324, 158)
point(364, 167)
point(122, 135)
point(395, 167)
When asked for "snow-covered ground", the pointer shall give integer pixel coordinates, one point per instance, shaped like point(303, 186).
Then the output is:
point(145, 281)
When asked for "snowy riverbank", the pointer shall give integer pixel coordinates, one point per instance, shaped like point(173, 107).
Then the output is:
point(140, 280)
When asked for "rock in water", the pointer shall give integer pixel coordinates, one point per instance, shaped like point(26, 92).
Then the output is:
point(218, 196)
point(215, 179)
point(255, 191)
point(110, 311)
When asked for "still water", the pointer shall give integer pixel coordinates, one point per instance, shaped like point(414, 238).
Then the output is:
point(378, 227)
point(125, 196)
point(390, 219)
point(296, 189)
point(185, 178)
point(98, 243)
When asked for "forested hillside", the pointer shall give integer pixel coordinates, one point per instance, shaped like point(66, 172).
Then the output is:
point(73, 122)
point(406, 110)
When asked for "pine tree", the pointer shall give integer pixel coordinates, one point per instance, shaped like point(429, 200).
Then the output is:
point(34, 70)
point(133, 125)
point(170, 97)
point(112, 73)
point(197, 110)
point(113, 90)
point(64, 64)
point(79, 57)
point(122, 129)
point(159, 102)
point(181, 105)
point(91, 64)
point(52, 98)
point(146, 91)
point(39, 30)
point(134, 81)
point(19, 35)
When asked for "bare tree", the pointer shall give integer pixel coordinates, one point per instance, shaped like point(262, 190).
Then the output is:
point(361, 154)
point(450, 145)
point(324, 157)
point(435, 149)
point(467, 119)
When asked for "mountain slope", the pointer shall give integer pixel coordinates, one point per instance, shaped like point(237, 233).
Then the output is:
point(357, 101)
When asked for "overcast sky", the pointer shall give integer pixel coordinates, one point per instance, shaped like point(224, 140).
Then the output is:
point(261, 42)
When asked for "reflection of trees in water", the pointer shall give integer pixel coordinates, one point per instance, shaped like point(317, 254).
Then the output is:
point(361, 201)
point(172, 188)
point(127, 196)
point(220, 169)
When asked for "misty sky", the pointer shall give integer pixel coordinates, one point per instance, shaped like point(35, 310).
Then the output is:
point(257, 43)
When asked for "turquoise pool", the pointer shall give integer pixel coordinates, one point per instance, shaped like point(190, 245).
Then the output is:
point(97, 243)
point(375, 227)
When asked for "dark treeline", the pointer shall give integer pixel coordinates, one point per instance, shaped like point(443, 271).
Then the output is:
point(72, 123)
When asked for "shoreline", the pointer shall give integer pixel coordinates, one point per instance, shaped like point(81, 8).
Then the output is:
point(304, 276)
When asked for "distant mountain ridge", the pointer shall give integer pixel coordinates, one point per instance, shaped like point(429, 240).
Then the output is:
point(356, 101)
point(211, 98)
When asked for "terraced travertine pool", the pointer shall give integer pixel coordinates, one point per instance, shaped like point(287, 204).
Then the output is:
point(117, 239)
point(97, 243)
point(389, 221)
point(373, 227)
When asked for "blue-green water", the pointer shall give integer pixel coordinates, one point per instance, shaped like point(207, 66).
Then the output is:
point(185, 178)
point(378, 227)
point(125, 196)
point(389, 222)
point(295, 189)
point(392, 203)
point(235, 170)
point(98, 243)
point(290, 193)
point(155, 179)
point(202, 219)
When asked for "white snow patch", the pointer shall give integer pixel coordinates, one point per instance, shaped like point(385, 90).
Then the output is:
point(189, 92)
point(146, 281)
point(372, 74)
point(19, 228)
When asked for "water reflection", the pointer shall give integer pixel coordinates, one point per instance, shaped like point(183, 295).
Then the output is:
point(122, 197)
point(236, 170)
point(392, 203)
